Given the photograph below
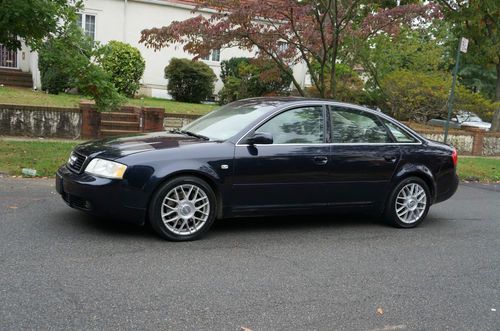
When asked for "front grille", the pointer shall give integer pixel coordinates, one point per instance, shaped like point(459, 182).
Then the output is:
point(76, 161)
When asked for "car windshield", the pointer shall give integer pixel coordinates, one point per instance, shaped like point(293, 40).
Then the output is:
point(227, 121)
point(468, 117)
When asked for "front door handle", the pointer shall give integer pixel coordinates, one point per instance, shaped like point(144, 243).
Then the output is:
point(390, 158)
point(320, 160)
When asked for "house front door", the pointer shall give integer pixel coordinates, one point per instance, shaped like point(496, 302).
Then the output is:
point(8, 58)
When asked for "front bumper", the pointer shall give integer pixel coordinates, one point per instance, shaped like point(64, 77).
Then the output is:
point(101, 196)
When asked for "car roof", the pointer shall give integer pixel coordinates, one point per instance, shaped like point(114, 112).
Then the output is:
point(287, 100)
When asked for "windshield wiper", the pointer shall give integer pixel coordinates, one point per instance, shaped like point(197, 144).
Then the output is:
point(192, 134)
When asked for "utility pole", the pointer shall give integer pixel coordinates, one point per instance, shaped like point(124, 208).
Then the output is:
point(462, 48)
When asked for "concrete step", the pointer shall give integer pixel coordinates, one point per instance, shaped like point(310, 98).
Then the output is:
point(119, 116)
point(119, 125)
point(109, 132)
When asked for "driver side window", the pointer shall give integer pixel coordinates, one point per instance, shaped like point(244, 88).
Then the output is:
point(296, 126)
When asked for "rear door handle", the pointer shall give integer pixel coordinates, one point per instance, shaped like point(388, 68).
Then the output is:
point(320, 160)
point(390, 158)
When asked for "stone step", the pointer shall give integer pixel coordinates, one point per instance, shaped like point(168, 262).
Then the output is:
point(15, 78)
point(16, 83)
point(110, 132)
point(14, 73)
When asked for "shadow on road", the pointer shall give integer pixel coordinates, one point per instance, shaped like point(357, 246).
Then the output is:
point(72, 221)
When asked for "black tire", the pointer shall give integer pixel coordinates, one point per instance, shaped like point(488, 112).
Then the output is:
point(391, 215)
point(156, 207)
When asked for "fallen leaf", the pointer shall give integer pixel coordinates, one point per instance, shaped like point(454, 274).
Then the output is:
point(380, 311)
point(245, 329)
point(13, 207)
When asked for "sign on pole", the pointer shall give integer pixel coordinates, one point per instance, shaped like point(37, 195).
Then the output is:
point(464, 42)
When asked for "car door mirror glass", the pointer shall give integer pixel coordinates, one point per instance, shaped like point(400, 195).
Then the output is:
point(264, 138)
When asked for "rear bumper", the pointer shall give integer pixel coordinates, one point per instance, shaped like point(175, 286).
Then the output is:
point(450, 191)
point(101, 196)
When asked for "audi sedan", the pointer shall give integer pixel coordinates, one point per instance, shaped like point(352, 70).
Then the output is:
point(262, 157)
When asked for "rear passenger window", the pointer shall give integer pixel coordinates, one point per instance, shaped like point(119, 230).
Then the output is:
point(355, 126)
point(398, 133)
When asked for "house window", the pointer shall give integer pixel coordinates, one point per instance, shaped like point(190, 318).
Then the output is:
point(282, 46)
point(87, 23)
point(213, 56)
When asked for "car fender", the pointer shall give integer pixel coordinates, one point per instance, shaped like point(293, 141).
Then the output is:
point(180, 167)
point(419, 170)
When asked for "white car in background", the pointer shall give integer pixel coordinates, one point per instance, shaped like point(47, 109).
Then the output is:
point(468, 118)
point(463, 119)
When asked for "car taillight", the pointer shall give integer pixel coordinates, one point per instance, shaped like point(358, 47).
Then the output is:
point(454, 157)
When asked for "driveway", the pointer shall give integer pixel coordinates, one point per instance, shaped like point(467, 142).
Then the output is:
point(63, 270)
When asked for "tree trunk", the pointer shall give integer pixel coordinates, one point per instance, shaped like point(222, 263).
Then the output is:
point(495, 122)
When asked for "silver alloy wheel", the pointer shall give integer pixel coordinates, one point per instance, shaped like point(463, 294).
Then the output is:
point(185, 209)
point(410, 203)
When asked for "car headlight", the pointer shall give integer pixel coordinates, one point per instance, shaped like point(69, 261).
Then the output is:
point(105, 168)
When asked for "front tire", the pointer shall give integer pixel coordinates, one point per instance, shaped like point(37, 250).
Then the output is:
point(408, 204)
point(183, 209)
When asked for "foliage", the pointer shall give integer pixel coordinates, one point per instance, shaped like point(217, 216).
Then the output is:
point(189, 81)
point(54, 74)
point(478, 78)
point(289, 31)
point(245, 78)
point(125, 65)
point(349, 86)
point(33, 20)
point(421, 96)
point(479, 21)
point(416, 49)
point(72, 57)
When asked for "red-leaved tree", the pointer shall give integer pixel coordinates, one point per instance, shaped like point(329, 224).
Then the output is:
point(287, 31)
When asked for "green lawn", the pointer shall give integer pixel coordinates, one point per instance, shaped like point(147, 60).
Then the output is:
point(47, 156)
point(479, 168)
point(43, 156)
point(25, 96)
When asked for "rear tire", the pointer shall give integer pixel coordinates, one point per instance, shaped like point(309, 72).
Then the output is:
point(183, 209)
point(408, 204)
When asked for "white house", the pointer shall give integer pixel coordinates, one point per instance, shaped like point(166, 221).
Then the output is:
point(123, 20)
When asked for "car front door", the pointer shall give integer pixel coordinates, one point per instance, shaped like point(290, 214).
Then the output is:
point(289, 173)
point(363, 157)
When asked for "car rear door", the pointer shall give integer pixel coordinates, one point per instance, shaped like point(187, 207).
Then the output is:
point(364, 157)
point(292, 172)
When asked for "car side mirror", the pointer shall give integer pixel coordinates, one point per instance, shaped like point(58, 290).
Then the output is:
point(264, 138)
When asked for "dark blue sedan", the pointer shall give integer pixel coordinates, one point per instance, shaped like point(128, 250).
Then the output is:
point(263, 156)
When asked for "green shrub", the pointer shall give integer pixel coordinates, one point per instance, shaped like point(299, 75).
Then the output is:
point(189, 81)
point(125, 64)
point(246, 78)
point(349, 86)
point(54, 73)
point(419, 96)
point(73, 58)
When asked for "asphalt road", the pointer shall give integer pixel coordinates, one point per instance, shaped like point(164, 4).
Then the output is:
point(63, 270)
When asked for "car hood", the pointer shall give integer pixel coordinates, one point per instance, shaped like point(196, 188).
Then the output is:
point(117, 147)
point(482, 125)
